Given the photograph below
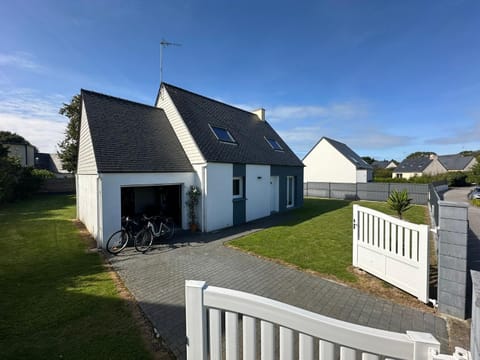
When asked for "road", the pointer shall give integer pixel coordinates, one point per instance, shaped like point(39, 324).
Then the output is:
point(460, 195)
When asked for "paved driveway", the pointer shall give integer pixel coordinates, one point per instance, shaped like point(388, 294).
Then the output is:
point(157, 281)
point(460, 195)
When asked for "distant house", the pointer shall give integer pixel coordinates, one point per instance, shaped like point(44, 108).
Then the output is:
point(332, 161)
point(52, 163)
point(457, 162)
point(135, 158)
point(418, 166)
point(24, 153)
point(385, 164)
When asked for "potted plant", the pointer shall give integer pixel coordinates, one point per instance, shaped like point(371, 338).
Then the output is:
point(193, 195)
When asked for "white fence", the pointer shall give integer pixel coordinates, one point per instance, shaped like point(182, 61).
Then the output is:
point(392, 249)
point(222, 323)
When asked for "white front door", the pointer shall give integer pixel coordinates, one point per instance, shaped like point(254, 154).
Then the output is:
point(274, 194)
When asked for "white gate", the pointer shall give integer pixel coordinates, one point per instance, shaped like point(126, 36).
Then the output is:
point(224, 323)
point(392, 249)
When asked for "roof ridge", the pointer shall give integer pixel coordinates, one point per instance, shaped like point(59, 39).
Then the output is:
point(206, 97)
point(119, 98)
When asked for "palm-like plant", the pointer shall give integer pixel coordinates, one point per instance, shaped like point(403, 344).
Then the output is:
point(399, 201)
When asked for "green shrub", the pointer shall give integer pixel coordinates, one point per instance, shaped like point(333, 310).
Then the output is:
point(399, 202)
point(475, 202)
point(43, 174)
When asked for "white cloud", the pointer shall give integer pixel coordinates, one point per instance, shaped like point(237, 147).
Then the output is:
point(34, 117)
point(19, 59)
point(458, 136)
point(347, 110)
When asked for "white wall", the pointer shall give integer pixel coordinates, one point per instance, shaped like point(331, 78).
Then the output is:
point(86, 156)
point(87, 205)
point(183, 133)
point(325, 164)
point(257, 191)
point(218, 196)
point(111, 196)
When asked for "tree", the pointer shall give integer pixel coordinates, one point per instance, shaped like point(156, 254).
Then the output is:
point(420, 153)
point(68, 152)
point(369, 160)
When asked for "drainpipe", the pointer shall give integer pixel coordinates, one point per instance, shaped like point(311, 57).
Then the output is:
point(99, 213)
point(204, 187)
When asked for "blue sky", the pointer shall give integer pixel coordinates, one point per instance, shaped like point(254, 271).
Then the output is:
point(386, 77)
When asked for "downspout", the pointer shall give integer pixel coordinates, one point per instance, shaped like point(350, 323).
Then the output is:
point(204, 185)
point(99, 214)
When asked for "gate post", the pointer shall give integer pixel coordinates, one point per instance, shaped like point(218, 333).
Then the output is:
point(195, 320)
point(355, 236)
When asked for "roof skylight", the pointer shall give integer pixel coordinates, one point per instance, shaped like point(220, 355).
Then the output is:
point(223, 134)
point(274, 144)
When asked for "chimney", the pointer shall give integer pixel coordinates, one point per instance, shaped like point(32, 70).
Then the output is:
point(260, 113)
point(433, 157)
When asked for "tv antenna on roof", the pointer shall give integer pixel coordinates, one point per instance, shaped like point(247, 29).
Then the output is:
point(163, 44)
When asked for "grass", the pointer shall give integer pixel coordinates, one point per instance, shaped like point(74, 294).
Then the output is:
point(57, 300)
point(318, 236)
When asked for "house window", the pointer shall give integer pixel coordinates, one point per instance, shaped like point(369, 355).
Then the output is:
point(290, 191)
point(237, 191)
point(223, 134)
point(274, 144)
point(399, 176)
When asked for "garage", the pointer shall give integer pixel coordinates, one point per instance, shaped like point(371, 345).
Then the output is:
point(163, 200)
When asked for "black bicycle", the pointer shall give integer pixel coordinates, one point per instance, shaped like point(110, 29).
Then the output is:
point(156, 227)
point(119, 239)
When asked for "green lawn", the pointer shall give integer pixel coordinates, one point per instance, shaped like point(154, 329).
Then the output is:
point(318, 236)
point(56, 300)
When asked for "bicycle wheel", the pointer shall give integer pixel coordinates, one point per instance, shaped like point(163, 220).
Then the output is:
point(117, 242)
point(143, 240)
point(168, 230)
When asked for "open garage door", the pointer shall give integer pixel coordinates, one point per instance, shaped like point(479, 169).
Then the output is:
point(164, 200)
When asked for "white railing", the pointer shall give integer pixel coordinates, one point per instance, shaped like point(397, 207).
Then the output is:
point(392, 249)
point(222, 323)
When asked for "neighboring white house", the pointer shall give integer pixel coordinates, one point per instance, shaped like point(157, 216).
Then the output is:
point(333, 161)
point(385, 164)
point(24, 153)
point(458, 162)
point(418, 166)
point(136, 159)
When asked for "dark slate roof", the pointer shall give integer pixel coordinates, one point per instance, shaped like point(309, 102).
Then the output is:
point(455, 162)
point(247, 129)
point(349, 154)
point(380, 164)
point(132, 137)
point(417, 164)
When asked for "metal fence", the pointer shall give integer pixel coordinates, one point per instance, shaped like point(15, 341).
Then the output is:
point(419, 193)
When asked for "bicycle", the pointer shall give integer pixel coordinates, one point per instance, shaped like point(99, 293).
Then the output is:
point(119, 239)
point(144, 239)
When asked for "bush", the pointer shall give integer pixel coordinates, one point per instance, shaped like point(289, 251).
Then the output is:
point(457, 179)
point(43, 174)
point(399, 202)
point(475, 202)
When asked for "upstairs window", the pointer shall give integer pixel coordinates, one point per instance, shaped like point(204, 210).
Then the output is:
point(223, 134)
point(274, 144)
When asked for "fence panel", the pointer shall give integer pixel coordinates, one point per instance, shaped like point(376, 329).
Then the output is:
point(394, 250)
point(312, 331)
point(366, 191)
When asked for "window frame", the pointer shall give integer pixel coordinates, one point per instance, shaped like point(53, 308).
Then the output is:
point(240, 194)
point(275, 142)
point(290, 196)
point(230, 136)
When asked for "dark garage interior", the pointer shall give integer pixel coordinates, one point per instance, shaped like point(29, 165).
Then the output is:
point(153, 200)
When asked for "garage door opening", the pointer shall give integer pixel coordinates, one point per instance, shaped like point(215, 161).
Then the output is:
point(153, 200)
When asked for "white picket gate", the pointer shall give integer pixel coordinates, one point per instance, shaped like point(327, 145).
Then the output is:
point(392, 249)
point(224, 322)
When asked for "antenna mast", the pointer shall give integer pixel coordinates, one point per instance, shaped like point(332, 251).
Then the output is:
point(164, 44)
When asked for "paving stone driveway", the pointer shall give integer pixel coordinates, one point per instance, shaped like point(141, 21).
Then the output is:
point(157, 281)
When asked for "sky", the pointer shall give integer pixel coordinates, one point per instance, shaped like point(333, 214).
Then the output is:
point(387, 78)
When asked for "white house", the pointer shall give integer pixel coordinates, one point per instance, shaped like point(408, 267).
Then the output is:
point(24, 153)
point(418, 166)
point(135, 158)
point(333, 161)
